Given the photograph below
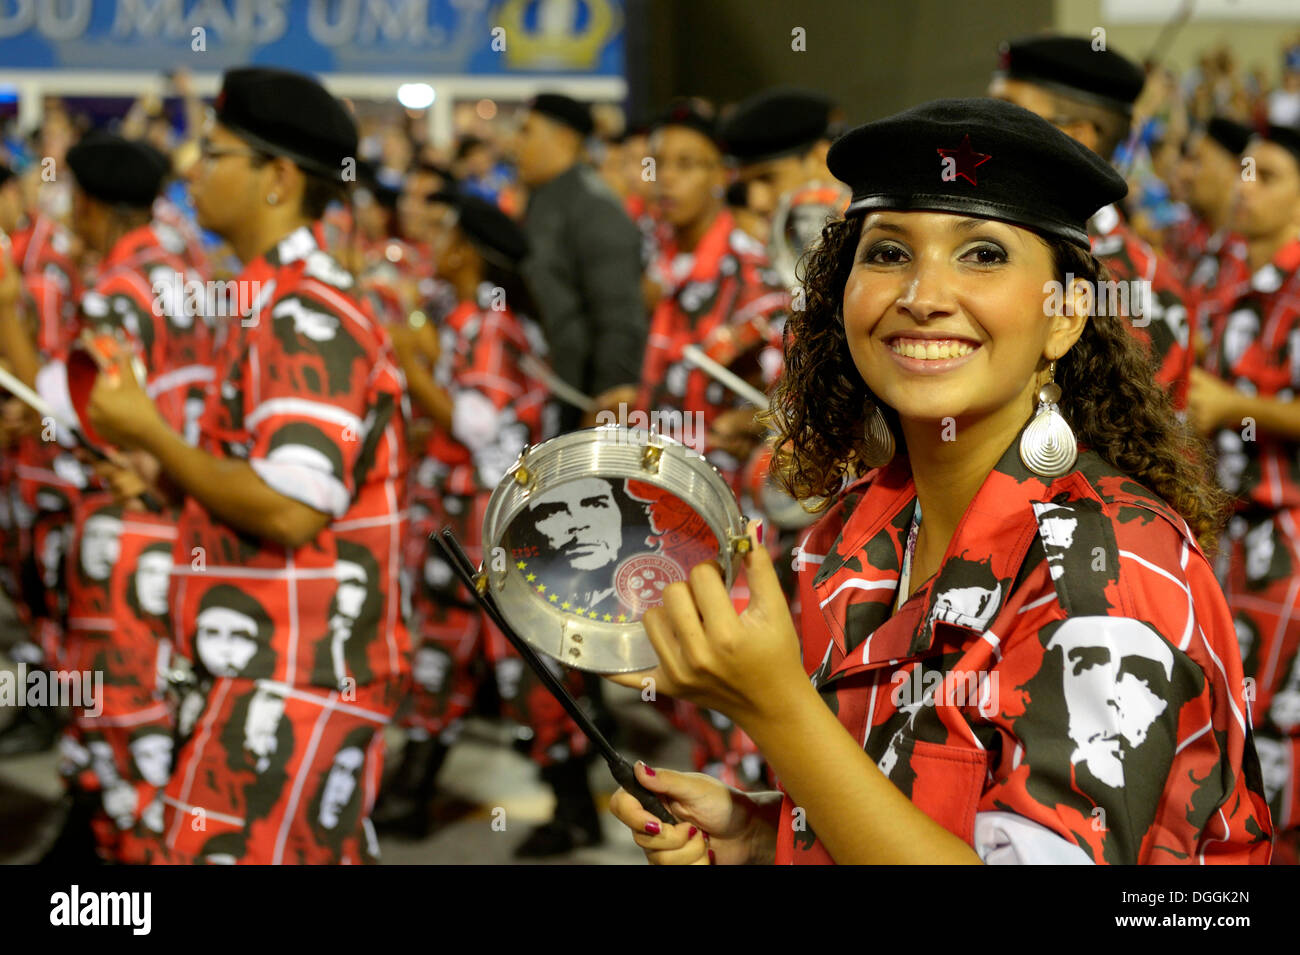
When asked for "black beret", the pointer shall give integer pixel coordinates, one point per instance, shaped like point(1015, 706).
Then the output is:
point(288, 114)
point(497, 237)
point(564, 109)
point(1069, 65)
point(775, 123)
point(1288, 137)
point(690, 113)
point(977, 157)
point(1229, 134)
point(117, 170)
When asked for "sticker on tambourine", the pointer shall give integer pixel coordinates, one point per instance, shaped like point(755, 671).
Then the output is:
point(606, 548)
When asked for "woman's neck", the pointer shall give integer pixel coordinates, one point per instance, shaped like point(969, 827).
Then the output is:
point(950, 460)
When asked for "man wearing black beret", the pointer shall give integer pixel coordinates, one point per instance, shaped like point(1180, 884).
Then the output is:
point(1251, 376)
point(778, 141)
point(585, 266)
point(301, 455)
point(1208, 175)
point(1088, 94)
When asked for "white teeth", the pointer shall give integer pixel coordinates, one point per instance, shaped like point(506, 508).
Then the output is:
point(931, 351)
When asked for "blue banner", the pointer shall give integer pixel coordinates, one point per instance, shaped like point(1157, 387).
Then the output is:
point(481, 37)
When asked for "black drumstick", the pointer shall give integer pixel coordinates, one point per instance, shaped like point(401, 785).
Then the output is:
point(621, 769)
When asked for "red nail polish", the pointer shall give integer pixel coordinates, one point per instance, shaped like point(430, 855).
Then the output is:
point(759, 531)
point(691, 834)
point(648, 770)
point(652, 828)
point(713, 860)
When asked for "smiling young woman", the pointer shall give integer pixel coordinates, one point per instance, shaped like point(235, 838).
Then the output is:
point(1017, 648)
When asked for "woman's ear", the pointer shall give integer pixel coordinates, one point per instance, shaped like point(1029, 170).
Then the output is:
point(1068, 323)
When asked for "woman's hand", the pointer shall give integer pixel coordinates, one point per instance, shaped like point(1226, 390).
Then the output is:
point(717, 824)
point(743, 665)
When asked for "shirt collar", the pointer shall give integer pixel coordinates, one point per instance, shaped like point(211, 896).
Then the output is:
point(858, 582)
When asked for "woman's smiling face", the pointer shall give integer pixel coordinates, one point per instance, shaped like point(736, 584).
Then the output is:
point(945, 315)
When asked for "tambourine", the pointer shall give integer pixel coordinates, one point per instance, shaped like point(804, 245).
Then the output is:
point(797, 223)
point(87, 357)
point(586, 530)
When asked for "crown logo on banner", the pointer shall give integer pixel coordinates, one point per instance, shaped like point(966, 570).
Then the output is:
point(554, 42)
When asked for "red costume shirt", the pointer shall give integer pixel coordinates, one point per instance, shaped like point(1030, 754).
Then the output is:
point(1067, 688)
point(722, 298)
point(1166, 329)
point(498, 408)
point(309, 395)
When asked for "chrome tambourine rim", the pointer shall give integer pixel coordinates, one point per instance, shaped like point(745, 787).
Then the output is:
point(615, 453)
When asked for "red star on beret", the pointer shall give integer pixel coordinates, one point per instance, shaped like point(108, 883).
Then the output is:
point(967, 159)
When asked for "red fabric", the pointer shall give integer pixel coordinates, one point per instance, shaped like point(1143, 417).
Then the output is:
point(278, 775)
point(121, 746)
point(481, 352)
point(1256, 346)
point(43, 253)
point(1185, 243)
point(1167, 331)
point(1036, 715)
point(313, 373)
point(729, 304)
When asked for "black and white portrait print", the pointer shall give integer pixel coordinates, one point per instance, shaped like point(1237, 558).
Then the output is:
point(233, 633)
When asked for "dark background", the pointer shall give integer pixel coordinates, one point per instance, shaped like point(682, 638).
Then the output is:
point(874, 57)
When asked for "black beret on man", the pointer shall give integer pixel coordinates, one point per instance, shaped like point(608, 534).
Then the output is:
point(692, 114)
point(1070, 66)
point(291, 115)
point(117, 170)
point(978, 157)
point(1288, 137)
point(497, 237)
point(775, 123)
point(565, 110)
point(1229, 134)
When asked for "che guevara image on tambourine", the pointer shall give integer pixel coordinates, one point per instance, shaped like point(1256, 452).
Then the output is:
point(586, 531)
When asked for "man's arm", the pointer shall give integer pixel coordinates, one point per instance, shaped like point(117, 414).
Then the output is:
point(228, 488)
point(231, 491)
point(608, 248)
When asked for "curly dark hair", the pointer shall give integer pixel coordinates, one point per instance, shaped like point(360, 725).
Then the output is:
point(1109, 395)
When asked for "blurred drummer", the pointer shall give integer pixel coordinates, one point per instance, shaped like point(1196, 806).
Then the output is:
point(487, 406)
point(285, 590)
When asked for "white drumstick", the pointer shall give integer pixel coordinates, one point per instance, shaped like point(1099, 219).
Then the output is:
point(561, 389)
point(31, 399)
point(695, 355)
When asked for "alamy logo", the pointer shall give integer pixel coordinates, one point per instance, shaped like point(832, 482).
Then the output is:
point(687, 428)
point(103, 908)
point(81, 689)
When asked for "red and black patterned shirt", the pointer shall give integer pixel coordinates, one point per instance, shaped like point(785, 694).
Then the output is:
point(1067, 688)
point(723, 298)
point(1166, 331)
point(309, 394)
point(1256, 347)
point(498, 409)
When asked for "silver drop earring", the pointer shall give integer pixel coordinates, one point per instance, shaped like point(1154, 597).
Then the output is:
point(880, 440)
point(1047, 445)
